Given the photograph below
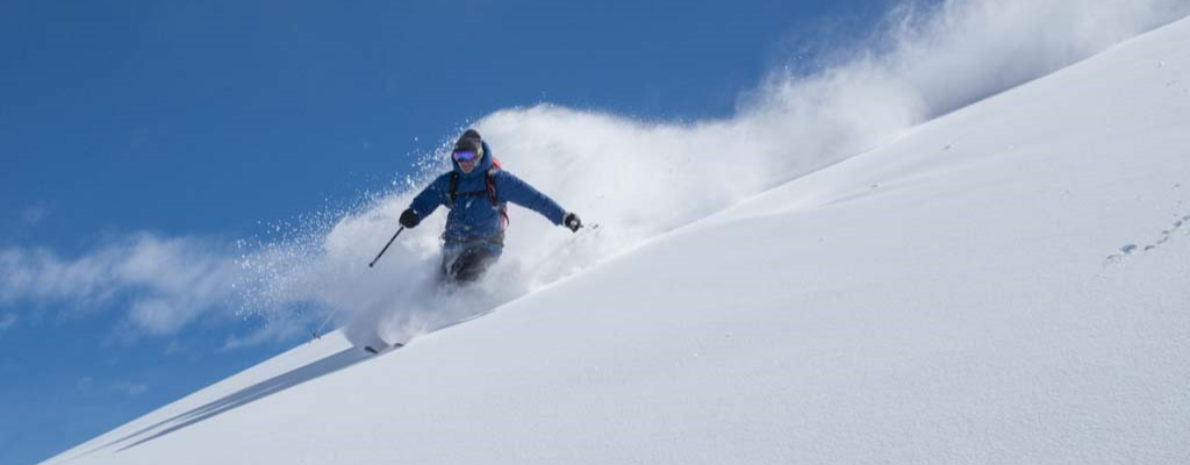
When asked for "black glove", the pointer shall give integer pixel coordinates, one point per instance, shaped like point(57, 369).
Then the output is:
point(409, 219)
point(572, 221)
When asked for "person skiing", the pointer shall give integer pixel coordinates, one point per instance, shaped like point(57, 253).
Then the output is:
point(477, 191)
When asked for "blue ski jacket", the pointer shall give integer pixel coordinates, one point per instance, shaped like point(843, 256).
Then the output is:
point(473, 219)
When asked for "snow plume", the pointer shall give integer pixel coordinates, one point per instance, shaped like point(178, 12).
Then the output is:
point(637, 180)
point(958, 52)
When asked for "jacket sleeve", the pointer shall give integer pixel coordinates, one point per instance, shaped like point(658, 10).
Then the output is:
point(432, 197)
point(512, 189)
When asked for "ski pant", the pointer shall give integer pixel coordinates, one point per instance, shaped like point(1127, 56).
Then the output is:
point(467, 263)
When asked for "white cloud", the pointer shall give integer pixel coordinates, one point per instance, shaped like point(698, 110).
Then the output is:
point(129, 389)
point(35, 214)
point(8, 320)
point(88, 385)
point(168, 282)
point(162, 285)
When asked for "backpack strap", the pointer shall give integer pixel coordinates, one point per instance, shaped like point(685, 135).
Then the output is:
point(454, 187)
point(491, 181)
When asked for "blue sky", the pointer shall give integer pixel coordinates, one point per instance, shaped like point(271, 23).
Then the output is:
point(125, 126)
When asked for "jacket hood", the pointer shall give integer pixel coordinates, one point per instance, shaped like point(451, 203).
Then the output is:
point(482, 167)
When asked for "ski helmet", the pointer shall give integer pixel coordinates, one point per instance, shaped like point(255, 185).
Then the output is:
point(470, 140)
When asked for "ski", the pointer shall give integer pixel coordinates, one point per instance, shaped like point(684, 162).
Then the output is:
point(377, 351)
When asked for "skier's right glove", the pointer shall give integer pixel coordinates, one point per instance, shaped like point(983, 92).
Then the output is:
point(571, 221)
point(409, 219)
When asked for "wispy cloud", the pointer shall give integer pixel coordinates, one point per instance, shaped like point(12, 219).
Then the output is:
point(163, 284)
point(85, 384)
point(90, 386)
point(8, 320)
point(129, 389)
point(35, 214)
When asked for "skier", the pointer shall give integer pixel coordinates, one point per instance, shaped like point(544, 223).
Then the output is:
point(477, 191)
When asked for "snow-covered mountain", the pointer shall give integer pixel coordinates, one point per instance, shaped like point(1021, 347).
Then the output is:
point(1008, 283)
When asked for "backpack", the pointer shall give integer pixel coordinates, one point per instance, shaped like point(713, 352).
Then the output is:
point(490, 179)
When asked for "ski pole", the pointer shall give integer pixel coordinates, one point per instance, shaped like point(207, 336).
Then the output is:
point(385, 249)
point(318, 332)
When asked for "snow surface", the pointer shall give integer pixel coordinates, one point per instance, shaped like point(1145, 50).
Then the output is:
point(1009, 283)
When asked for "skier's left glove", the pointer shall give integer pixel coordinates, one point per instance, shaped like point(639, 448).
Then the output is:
point(572, 221)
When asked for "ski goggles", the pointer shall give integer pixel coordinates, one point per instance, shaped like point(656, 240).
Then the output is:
point(465, 155)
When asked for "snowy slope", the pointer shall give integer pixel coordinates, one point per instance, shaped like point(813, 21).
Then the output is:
point(1007, 284)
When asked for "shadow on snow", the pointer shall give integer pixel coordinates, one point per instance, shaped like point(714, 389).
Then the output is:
point(261, 390)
